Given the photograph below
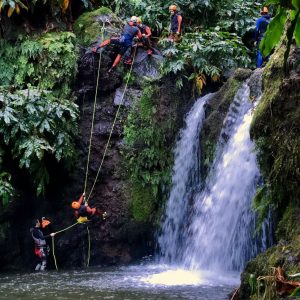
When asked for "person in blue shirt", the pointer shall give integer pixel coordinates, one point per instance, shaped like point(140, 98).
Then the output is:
point(125, 41)
point(261, 27)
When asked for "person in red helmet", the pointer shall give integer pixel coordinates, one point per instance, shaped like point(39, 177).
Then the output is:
point(146, 33)
point(130, 32)
point(83, 210)
point(176, 24)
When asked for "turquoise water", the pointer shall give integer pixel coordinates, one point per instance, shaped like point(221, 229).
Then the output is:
point(126, 283)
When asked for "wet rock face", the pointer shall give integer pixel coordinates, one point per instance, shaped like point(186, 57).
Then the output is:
point(88, 71)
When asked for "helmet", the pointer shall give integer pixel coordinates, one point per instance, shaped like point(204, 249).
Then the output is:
point(173, 7)
point(75, 205)
point(45, 222)
point(264, 10)
point(133, 19)
point(139, 20)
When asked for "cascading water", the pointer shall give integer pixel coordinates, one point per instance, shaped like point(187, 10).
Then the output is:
point(219, 234)
point(185, 177)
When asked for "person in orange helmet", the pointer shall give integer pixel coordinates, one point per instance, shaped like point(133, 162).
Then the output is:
point(83, 210)
point(176, 24)
point(260, 29)
point(146, 33)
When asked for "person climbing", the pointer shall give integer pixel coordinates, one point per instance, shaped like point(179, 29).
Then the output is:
point(124, 42)
point(176, 24)
point(83, 210)
point(40, 244)
point(261, 27)
point(146, 33)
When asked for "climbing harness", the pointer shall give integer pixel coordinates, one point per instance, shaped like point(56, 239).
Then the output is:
point(112, 128)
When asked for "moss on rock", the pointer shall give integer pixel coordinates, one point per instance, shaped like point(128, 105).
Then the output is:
point(88, 27)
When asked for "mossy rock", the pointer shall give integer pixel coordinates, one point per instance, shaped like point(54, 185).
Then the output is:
point(89, 26)
point(286, 254)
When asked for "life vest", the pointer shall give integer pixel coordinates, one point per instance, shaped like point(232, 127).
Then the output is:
point(129, 32)
point(174, 22)
point(37, 235)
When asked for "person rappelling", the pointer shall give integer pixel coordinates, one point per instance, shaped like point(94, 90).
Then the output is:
point(41, 249)
point(146, 33)
point(83, 210)
point(175, 25)
point(124, 42)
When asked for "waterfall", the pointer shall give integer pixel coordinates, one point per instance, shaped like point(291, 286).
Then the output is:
point(185, 177)
point(219, 233)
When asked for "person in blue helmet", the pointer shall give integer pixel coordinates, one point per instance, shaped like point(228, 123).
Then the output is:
point(125, 41)
point(261, 27)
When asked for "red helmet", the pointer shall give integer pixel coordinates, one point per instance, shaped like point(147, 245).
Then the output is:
point(75, 205)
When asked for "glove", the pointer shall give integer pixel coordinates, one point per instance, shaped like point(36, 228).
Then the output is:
point(104, 215)
point(177, 33)
point(53, 234)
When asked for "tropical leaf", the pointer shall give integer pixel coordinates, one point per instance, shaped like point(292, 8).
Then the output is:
point(274, 32)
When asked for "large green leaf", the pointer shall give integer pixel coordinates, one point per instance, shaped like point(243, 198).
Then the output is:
point(297, 32)
point(296, 4)
point(273, 33)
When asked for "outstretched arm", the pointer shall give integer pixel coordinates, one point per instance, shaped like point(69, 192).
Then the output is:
point(148, 31)
point(81, 199)
point(179, 19)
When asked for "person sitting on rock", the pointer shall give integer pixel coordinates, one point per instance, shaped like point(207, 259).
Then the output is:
point(146, 33)
point(83, 210)
point(40, 244)
point(124, 42)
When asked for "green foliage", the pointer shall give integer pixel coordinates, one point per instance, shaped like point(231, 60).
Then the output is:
point(274, 32)
point(147, 160)
point(287, 17)
point(36, 126)
point(6, 189)
point(209, 52)
point(48, 62)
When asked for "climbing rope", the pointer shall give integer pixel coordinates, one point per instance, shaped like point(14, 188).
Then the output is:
point(113, 125)
point(94, 112)
point(79, 221)
point(89, 246)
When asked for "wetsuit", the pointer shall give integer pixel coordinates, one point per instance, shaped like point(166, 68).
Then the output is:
point(146, 32)
point(261, 27)
point(40, 248)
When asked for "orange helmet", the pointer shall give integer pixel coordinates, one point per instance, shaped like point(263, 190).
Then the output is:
point(173, 7)
point(264, 10)
point(75, 205)
point(45, 222)
point(138, 20)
